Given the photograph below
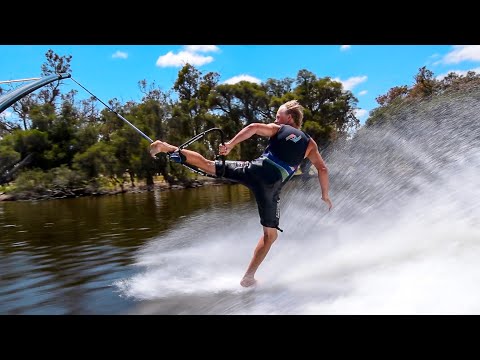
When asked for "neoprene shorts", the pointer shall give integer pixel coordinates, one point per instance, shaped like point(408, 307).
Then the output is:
point(263, 179)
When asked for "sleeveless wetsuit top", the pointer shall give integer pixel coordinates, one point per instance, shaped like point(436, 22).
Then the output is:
point(286, 150)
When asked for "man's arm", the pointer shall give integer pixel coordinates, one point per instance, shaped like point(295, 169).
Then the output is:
point(314, 156)
point(247, 132)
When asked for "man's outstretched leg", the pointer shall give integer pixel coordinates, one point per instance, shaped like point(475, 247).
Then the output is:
point(263, 246)
point(192, 157)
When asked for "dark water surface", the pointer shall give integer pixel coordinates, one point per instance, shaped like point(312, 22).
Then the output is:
point(63, 256)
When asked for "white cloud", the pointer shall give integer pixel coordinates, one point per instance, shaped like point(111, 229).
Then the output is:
point(243, 77)
point(189, 55)
point(183, 57)
point(350, 83)
point(361, 113)
point(462, 53)
point(345, 47)
point(120, 55)
point(363, 92)
point(458, 72)
point(201, 48)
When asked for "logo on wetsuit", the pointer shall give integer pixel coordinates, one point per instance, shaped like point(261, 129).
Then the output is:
point(294, 138)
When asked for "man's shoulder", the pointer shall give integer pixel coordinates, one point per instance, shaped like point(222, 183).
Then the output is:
point(293, 128)
point(275, 127)
point(289, 128)
point(299, 131)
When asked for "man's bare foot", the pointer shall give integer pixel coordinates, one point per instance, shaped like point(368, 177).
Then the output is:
point(248, 281)
point(160, 146)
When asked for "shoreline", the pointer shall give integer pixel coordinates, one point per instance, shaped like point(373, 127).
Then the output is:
point(82, 192)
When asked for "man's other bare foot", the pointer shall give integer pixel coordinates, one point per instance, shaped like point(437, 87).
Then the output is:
point(248, 281)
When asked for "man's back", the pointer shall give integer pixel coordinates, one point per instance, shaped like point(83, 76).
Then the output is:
point(286, 149)
point(289, 145)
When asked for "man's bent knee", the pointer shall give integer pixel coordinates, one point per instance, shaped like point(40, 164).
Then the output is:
point(210, 166)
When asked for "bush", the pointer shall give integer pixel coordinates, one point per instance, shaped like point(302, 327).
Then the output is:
point(65, 178)
point(30, 183)
point(99, 185)
point(35, 181)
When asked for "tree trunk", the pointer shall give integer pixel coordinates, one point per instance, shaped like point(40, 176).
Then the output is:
point(132, 179)
point(168, 178)
point(150, 183)
point(8, 176)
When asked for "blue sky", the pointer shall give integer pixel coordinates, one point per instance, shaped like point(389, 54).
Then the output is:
point(113, 71)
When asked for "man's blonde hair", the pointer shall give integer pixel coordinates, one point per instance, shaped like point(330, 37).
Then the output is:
point(294, 108)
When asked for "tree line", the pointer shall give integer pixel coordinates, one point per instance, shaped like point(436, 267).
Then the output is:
point(55, 138)
point(425, 87)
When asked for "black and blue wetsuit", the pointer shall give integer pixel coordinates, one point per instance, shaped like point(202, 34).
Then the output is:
point(266, 175)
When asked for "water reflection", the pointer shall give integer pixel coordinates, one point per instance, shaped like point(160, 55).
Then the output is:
point(62, 256)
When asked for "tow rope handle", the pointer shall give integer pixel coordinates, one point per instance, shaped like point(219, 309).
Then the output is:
point(222, 157)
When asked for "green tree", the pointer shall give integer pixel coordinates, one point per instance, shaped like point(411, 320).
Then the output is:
point(278, 92)
point(189, 115)
point(242, 103)
point(153, 115)
point(31, 141)
point(328, 105)
point(62, 134)
point(97, 161)
point(8, 157)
